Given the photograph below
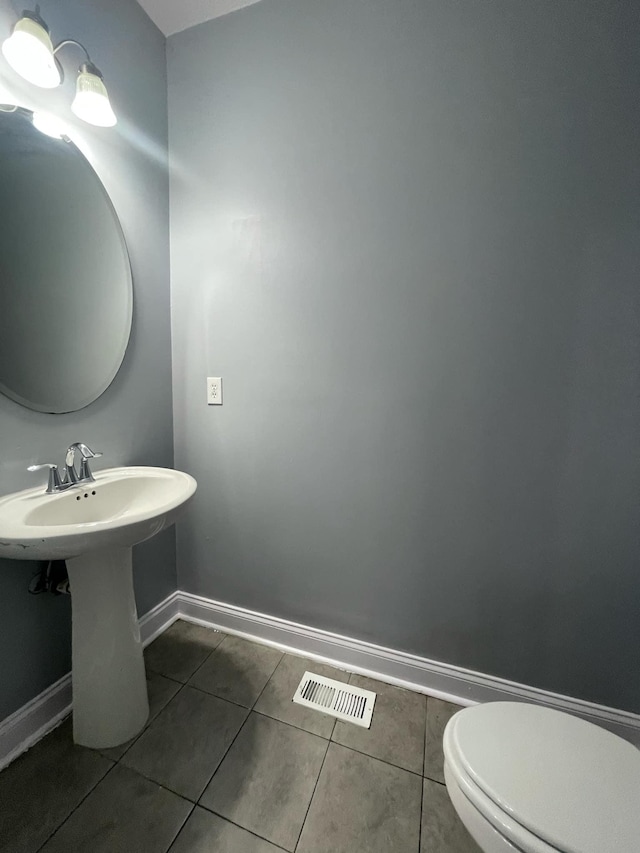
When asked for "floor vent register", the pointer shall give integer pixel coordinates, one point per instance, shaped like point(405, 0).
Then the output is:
point(351, 704)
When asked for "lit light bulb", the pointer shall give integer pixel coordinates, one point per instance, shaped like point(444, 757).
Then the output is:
point(29, 51)
point(91, 102)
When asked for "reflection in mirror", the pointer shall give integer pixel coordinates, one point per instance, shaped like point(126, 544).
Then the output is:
point(66, 295)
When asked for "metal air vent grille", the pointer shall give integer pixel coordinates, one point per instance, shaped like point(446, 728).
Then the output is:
point(351, 704)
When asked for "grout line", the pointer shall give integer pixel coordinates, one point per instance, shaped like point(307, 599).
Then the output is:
point(240, 826)
point(164, 784)
point(225, 698)
point(208, 692)
point(424, 751)
point(77, 806)
point(200, 665)
point(422, 789)
point(226, 752)
point(223, 636)
point(215, 696)
point(313, 793)
point(149, 669)
point(291, 725)
point(168, 677)
point(182, 826)
point(376, 758)
point(300, 729)
point(159, 784)
point(426, 729)
point(150, 722)
point(114, 763)
point(268, 681)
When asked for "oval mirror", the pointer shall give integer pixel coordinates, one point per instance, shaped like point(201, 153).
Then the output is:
point(66, 291)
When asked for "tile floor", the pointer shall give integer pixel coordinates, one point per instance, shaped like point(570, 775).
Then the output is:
point(228, 764)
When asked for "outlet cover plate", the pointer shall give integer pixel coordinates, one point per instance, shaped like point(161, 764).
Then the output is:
point(214, 391)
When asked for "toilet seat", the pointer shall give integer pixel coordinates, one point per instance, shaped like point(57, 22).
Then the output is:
point(501, 836)
point(545, 780)
point(466, 795)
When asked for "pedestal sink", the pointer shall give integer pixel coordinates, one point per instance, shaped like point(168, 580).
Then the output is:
point(94, 527)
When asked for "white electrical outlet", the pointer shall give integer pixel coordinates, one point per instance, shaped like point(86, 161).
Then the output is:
point(214, 391)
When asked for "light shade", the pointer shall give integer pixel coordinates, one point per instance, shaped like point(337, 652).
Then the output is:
point(91, 102)
point(29, 51)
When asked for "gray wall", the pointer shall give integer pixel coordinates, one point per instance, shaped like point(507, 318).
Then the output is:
point(407, 235)
point(132, 422)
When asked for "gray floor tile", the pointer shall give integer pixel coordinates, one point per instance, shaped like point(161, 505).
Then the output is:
point(439, 713)
point(181, 649)
point(124, 813)
point(41, 788)
point(362, 805)
point(161, 690)
point(185, 743)
point(397, 728)
point(238, 671)
point(266, 780)
point(442, 830)
point(207, 833)
point(276, 699)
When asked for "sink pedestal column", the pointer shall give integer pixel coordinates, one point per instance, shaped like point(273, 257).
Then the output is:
point(110, 704)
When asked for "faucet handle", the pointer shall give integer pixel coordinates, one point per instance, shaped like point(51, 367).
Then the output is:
point(83, 450)
point(54, 477)
point(86, 453)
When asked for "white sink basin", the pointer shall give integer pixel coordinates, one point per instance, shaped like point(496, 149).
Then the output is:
point(94, 527)
point(124, 506)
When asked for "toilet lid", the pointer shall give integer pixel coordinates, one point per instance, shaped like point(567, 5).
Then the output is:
point(571, 783)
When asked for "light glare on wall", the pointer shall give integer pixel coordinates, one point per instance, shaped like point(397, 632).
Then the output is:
point(49, 124)
point(30, 52)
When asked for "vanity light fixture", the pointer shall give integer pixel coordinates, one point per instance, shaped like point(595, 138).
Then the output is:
point(30, 52)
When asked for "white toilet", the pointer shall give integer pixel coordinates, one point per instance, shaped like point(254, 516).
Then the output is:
point(529, 779)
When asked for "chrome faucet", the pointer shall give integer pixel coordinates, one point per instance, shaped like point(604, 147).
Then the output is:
point(70, 476)
point(84, 475)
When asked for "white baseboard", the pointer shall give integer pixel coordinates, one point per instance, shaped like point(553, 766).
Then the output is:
point(159, 618)
point(453, 683)
point(463, 686)
point(38, 717)
point(34, 720)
